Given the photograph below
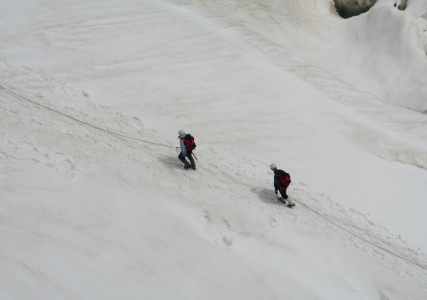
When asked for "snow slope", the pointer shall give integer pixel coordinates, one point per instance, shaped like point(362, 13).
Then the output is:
point(417, 7)
point(382, 52)
point(86, 214)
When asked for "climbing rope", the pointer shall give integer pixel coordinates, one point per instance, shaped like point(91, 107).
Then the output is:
point(357, 236)
point(80, 121)
point(158, 144)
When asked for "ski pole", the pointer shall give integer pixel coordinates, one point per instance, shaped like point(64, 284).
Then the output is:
point(194, 155)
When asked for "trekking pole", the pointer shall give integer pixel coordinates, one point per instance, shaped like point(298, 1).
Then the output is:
point(194, 155)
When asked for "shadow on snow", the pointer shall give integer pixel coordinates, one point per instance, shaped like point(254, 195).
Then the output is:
point(265, 195)
point(171, 162)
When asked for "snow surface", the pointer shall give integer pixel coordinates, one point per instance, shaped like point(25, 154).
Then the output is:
point(417, 7)
point(90, 215)
point(382, 52)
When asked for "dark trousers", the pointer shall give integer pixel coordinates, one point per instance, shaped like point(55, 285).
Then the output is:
point(283, 192)
point(185, 162)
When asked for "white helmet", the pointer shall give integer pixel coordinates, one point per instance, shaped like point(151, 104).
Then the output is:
point(273, 166)
point(181, 132)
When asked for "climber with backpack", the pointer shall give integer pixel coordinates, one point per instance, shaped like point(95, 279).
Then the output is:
point(187, 146)
point(281, 182)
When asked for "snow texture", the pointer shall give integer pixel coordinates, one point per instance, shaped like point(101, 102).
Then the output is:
point(86, 214)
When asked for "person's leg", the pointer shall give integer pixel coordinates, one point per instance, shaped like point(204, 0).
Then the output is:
point(193, 163)
point(285, 196)
point(282, 191)
point(281, 199)
point(182, 158)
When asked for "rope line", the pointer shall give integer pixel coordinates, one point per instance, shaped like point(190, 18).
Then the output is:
point(80, 121)
point(158, 144)
point(359, 237)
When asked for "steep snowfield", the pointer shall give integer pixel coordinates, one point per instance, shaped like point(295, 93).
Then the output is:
point(382, 52)
point(389, 48)
point(89, 215)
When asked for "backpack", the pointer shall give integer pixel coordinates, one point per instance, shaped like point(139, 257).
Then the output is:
point(189, 142)
point(284, 177)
